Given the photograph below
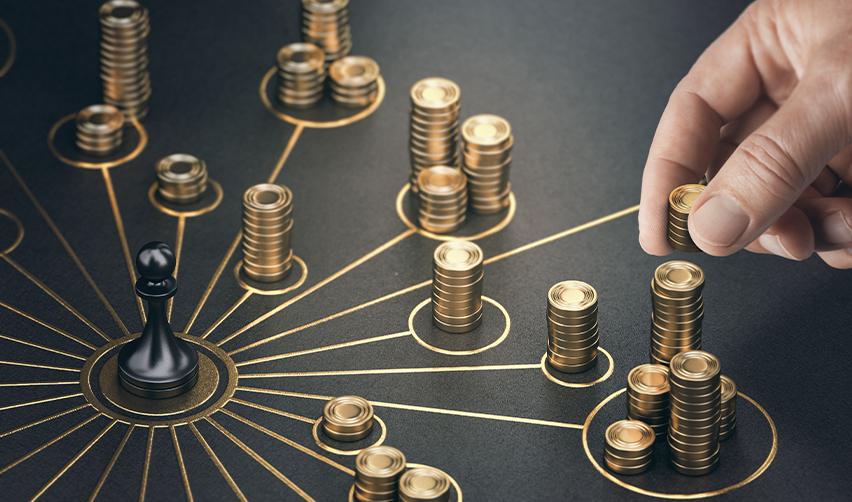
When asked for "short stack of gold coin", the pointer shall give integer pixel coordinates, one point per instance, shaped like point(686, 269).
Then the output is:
point(678, 309)
point(347, 418)
point(377, 472)
point(487, 157)
point(434, 125)
point(680, 204)
point(301, 75)
point(572, 326)
point(100, 129)
point(267, 232)
point(181, 178)
point(325, 23)
point(424, 484)
point(648, 396)
point(457, 278)
point(629, 446)
point(729, 408)
point(354, 81)
point(695, 402)
point(443, 199)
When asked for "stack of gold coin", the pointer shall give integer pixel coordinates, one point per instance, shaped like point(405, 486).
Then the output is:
point(728, 421)
point(424, 484)
point(695, 402)
point(267, 231)
point(181, 178)
point(124, 56)
point(680, 204)
point(629, 446)
point(301, 75)
point(648, 396)
point(443, 199)
point(354, 81)
point(326, 23)
point(377, 472)
point(347, 418)
point(100, 129)
point(434, 126)
point(457, 277)
point(678, 309)
point(572, 326)
point(487, 156)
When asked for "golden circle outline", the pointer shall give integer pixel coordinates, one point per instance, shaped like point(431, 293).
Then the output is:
point(580, 385)
point(400, 212)
point(680, 496)
point(272, 292)
point(177, 213)
point(349, 453)
point(13, 48)
point(319, 124)
point(471, 352)
point(19, 237)
point(108, 164)
point(89, 395)
point(412, 465)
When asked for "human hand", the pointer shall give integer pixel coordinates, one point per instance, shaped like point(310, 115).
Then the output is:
point(766, 114)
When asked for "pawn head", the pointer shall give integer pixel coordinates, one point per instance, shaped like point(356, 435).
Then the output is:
point(155, 261)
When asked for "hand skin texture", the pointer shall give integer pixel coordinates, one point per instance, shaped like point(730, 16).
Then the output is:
point(766, 113)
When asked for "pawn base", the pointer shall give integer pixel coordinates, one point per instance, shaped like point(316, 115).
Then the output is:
point(140, 389)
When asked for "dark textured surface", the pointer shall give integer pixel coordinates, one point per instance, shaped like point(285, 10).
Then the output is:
point(582, 83)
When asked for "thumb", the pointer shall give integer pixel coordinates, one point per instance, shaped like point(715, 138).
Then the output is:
point(770, 169)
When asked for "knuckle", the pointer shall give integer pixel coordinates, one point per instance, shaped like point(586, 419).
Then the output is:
point(771, 168)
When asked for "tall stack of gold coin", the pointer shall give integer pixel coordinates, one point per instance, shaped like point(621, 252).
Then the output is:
point(347, 418)
point(100, 129)
point(301, 75)
point(678, 309)
point(572, 326)
point(729, 408)
point(487, 157)
point(680, 205)
point(424, 484)
point(124, 56)
point(443, 199)
point(648, 396)
point(434, 125)
point(457, 278)
point(377, 472)
point(181, 178)
point(629, 446)
point(695, 402)
point(325, 23)
point(267, 231)
point(354, 81)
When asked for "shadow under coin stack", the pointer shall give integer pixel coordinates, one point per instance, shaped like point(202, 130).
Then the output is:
point(729, 408)
point(347, 418)
point(648, 396)
point(695, 401)
point(487, 157)
point(434, 125)
point(181, 178)
point(124, 56)
point(680, 204)
point(301, 75)
point(325, 23)
point(354, 81)
point(678, 309)
point(377, 472)
point(442, 199)
point(424, 484)
point(572, 326)
point(267, 232)
point(457, 278)
point(100, 129)
point(629, 446)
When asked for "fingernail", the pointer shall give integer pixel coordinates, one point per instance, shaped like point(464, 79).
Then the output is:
point(772, 243)
point(720, 221)
point(836, 229)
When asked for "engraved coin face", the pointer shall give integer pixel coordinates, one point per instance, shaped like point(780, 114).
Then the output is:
point(682, 197)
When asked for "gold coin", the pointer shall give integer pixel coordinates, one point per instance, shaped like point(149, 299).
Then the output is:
point(694, 366)
point(300, 58)
point(458, 256)
point(572, 296)
point(100, 119)
point(380, 463)
point(629, 436)
point(486, 130)
point(682, 197)
point(678, 278)
point(347, 412)
point(435, 93)
point(441, 181)
point(424, 483)
point(729, 389)
point(354, 71)
point(649, 379)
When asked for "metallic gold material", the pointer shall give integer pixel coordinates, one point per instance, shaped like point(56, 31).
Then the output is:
point(347, 418)
point(457, 279)
point(301, 75)
point(12, 48)
point(578, 385)
point(434, 125)
point(678, 309)
point(422, 484)
point(487, 156)
point(729, 408)
point(629, 446)
point(572, 326)
point(186, 213)
point(142, 142)
point(680, 205)
point(100, 129)
point(181, 178)
point(269, 289)
point(648, 396)
point(326, 24)
point(354, 81)
point(442, 199)
point(377, 472)
point(318, 424)
point(695, 402)
point(267, 230)
point(19, 232)
point(423, 343)
point(124, 56)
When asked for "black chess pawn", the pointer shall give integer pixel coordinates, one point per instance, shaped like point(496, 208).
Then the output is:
point(158, 364)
